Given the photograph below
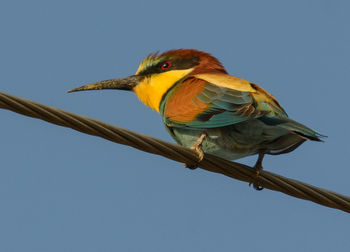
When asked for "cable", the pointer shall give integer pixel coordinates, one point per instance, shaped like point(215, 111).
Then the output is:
point(173, 151)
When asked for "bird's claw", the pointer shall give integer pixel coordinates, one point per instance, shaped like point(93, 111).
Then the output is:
point(255, 183)
point(197, 147)
point(258, 167)
point(191, 166)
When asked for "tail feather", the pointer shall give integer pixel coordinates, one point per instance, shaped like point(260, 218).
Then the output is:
point(295, 127)
point(302, 130)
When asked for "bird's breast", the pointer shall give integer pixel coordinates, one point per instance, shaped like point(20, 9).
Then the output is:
point(182, 104)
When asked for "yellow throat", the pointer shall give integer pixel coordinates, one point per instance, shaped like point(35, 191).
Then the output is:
point(152, 88)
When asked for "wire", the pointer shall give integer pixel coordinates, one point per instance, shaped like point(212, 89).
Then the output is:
point(173, 151)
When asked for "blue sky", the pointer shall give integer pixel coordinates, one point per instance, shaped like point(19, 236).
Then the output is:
point(61, 190)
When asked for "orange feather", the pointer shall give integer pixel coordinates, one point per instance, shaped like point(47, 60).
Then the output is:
point(183, 104)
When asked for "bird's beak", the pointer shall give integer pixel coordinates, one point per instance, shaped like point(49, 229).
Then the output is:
point(127, 83)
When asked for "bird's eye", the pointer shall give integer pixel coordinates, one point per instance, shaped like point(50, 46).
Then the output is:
point(165, 65)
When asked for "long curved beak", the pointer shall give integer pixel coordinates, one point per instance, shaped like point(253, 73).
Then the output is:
point(127, 83)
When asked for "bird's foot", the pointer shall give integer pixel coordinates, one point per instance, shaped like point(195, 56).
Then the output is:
point(191, 166)
point(258, 167)
point(197, 147)
point(256, 184)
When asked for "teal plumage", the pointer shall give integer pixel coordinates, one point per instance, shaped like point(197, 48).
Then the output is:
point(236, 124)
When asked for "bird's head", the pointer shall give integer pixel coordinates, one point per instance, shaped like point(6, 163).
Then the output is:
point(158, 73)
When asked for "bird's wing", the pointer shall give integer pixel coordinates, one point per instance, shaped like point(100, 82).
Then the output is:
point(216, 100)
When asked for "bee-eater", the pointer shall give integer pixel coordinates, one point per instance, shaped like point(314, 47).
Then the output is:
point(208, 110)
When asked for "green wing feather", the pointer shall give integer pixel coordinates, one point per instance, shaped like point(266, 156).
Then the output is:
point(226, 107)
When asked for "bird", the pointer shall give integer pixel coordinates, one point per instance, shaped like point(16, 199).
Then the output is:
point(206, 109)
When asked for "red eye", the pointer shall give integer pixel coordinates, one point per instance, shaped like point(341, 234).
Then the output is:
point(165, 65)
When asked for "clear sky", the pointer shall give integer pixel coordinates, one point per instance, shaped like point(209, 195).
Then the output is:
point(61, 190)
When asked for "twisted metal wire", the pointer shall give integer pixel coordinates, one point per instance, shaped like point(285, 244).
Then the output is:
point(173, 151)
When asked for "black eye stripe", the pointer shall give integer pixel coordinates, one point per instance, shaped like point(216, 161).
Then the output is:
point(172, 64)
